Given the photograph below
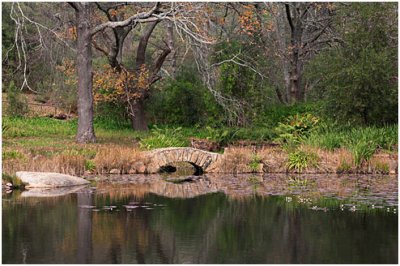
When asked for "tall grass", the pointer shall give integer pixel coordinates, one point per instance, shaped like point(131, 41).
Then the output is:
point(300, 160)
point(331, 137)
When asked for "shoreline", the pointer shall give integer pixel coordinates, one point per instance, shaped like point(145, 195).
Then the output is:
point(234, 160)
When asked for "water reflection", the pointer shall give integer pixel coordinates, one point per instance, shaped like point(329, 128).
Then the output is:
point(188, 224)
point(381, 189)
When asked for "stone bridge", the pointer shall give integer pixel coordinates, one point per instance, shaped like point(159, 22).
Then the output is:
point(201, 160)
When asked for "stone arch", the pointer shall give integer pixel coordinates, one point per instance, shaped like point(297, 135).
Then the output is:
point(200, 159)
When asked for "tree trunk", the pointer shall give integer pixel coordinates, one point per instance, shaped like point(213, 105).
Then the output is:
point(84, 68)
point(138, 119)
point(294, 79)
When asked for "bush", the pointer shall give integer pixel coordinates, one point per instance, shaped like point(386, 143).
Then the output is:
point(183, 101)
point(296, 128)
point(163, 138)
point(14, 180)
point(300, 160)
point(17, 105)
point(110, 115)
point(255, 163)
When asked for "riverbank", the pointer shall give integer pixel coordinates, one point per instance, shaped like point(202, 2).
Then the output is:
point(47, 145)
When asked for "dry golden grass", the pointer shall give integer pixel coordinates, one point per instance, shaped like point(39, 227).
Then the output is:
point(384, 163)
point(236, 160)
point(120, 158)
point(60, 163)
point(274, 159)
point(72, 159)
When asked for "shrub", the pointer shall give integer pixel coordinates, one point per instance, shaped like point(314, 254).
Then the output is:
point(163, 138)
point(296, 128)
point(110, 115)
point(300, 160)
point(90, 165)
point(15, 181)
point(183, 101)
point(254, 163)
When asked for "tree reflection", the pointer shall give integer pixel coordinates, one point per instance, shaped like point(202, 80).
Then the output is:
point(84, 247)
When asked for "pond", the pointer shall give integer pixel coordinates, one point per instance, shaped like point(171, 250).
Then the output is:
point(213, 219)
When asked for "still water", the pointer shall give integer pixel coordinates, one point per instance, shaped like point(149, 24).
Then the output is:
point(211, 220)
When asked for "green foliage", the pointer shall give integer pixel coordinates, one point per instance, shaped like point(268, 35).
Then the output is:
point(300, 160)
point(382, 168)
point(222, 135)
point(163, 138)
point(296, 128)
point(272, 115)
point(265, 133)
point(183, 101)
point(255, 162)
point(90, 165)
point(331, 136)
point(14, 180)
point(358, 80)
point(5, 127)
point(17, 105)
point(38, 126)
point(111, 115)
point(9, 155)
point(362, 151)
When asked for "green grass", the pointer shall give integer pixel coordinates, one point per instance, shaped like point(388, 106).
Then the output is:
point(332, 137)
point(38, 127)
point(47, 132)
point(9, 155)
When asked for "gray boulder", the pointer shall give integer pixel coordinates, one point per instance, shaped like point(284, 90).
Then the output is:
point(49, 180)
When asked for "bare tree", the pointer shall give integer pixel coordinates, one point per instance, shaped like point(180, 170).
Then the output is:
point(291, 36)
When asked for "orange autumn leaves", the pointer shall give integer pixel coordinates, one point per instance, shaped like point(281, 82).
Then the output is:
point(108, 84)
point(248, 20)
